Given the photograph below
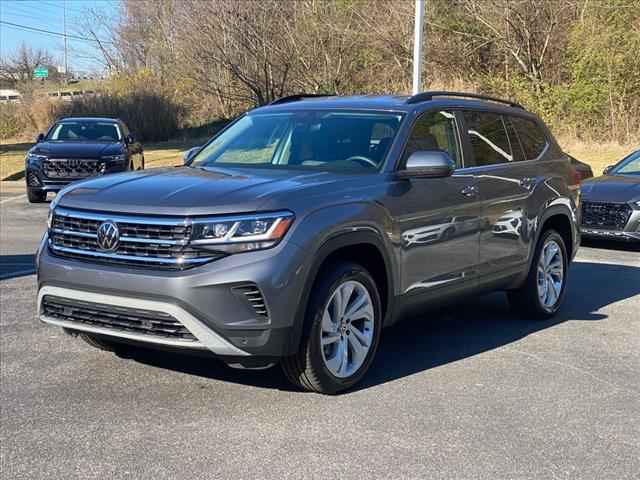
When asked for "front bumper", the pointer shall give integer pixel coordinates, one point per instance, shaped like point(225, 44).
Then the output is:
point(206, 338)
point(205, 299)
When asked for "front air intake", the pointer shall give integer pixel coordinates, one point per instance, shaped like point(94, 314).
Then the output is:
point(254, 296)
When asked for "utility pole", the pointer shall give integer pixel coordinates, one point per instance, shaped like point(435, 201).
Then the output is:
point(66, 63)
point(417, 46)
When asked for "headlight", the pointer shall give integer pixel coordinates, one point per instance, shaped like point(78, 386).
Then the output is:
point(34, 158)
point(115, 158)
point(241, 233)
point(638, 203)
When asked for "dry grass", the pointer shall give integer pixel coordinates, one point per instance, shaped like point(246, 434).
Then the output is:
point(597, 155)
point(12, 160)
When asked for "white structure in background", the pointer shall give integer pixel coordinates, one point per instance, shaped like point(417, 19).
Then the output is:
point(7, 95)
point(417, 46)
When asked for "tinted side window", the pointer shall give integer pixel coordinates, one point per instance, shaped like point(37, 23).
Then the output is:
point(488, 138)
point(531, 137)
point(514, 140)
point(435, 131)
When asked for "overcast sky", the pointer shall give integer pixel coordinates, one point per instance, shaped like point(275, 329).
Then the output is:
point(48, 15)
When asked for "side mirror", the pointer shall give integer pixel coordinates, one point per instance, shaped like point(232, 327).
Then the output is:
point(189, 154)
point(129, 139)
point(40, 138)
point(428, 164)
point(607, 170)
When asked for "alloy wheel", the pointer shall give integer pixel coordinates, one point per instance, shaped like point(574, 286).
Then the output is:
point(550, 274)
point(347, 329)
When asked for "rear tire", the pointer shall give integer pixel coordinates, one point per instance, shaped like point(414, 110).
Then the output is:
point(542, 293)
point(344, 314)
point(36, 196)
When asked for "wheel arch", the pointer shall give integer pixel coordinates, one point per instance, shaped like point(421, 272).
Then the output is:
point(364, 247)
point(562, 219)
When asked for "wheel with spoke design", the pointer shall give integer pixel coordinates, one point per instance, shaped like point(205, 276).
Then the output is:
point(543, 291)
point(347, 329)
point(342, 334)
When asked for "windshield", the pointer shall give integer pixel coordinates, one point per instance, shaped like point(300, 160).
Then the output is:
point(84, 132)
point(629, 166)
point(324, 140)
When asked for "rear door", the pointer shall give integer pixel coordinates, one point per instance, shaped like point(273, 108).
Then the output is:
point(437, 218)
point(505, 183)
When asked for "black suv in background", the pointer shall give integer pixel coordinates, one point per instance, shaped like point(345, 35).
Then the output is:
point(77, 148)
point(306, 226)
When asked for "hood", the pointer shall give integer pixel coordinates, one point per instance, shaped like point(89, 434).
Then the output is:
point(76, 149)
point(612, 188)
point(196, 191)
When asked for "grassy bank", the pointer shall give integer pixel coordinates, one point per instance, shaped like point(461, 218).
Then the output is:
point(170, 153)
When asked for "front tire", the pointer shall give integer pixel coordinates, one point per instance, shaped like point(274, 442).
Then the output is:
point(543, 291)
point(342, 331)
point(36, 196)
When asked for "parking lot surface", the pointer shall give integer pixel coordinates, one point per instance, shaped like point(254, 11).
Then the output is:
point(466, 392)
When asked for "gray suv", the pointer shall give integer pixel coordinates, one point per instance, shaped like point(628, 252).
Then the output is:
point(305, 227)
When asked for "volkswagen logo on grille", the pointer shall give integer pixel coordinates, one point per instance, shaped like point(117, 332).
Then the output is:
point(108, 236)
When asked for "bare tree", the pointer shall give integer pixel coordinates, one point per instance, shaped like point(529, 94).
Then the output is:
point(529, 31)
point(18, 68)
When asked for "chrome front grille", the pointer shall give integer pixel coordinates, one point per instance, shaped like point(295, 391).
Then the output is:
point(605, 216)
point(71, 168)
point(144, 241)
point(123, 319)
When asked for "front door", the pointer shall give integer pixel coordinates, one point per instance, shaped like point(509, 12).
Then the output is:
point(437, 219)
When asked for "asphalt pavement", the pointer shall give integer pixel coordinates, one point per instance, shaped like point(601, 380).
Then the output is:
point(466, 392)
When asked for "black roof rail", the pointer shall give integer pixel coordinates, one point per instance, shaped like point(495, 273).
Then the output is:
point(299, 96)
point(426, 96)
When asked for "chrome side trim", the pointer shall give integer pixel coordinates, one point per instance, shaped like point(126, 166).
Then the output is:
point(438, 282)
point(134, 258)
point(207, 338)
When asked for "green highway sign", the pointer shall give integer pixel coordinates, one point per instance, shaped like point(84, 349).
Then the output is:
point(41, 72)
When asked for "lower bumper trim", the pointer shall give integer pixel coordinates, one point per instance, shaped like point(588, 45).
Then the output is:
point(610, 234)
point(207, 338)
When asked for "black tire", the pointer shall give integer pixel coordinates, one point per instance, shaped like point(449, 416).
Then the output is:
point(98, 342)
point(306, 369)
point(525, 300)
point(36, 196)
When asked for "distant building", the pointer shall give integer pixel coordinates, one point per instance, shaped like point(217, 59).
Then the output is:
point(9, 95)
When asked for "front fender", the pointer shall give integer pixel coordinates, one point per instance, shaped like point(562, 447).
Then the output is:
point(326, 231)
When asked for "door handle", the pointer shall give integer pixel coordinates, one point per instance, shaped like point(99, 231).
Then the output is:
point(527, 182)
point(469, 191)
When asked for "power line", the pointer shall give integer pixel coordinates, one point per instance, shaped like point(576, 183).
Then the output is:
point(49, 32)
